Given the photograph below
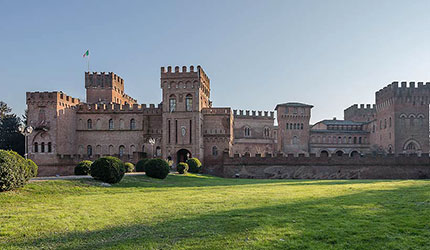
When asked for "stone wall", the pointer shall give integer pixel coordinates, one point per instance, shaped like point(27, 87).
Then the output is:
point(313, 167)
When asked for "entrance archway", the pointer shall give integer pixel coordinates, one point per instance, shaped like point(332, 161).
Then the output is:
point(182, 155)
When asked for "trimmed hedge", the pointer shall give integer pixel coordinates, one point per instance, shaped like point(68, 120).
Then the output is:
point(194, 165)
point(83, 168)
point(33, 167)
point(129, 167)
point(108, 169)
point(157, 168)
point(140, 165)
point(182, 168)
point(15, 171)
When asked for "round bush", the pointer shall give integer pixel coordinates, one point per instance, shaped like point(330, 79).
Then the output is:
point(140, 165)
point(157, 168)
point(83, 168)
point(14, 171)
point(182, 168)
point(108, 169)
point(194, 165)
point(129, 167)
point(33, 167)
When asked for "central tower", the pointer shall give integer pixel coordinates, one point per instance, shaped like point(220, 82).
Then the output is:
point(185, 93)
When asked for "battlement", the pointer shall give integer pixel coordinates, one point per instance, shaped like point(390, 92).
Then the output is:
point(115, 107)
point(363, 107)
point(54, 96)
point(216, 111)
point(103, 79)
point(130, 99)
point(410, 90)
point(184, 72)
point(253, 114)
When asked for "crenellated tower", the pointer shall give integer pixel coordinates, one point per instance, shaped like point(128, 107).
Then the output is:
point(402, 118)
point(106, 88)
point(186, 91)
point(293, 127)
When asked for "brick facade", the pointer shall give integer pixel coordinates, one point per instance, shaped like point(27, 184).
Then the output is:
point(185, 124)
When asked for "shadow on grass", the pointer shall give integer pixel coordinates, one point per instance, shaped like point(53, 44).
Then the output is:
point(192, 180)
point(375, 219)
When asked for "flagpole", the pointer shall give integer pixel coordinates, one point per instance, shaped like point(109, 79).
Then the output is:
point(88, 61)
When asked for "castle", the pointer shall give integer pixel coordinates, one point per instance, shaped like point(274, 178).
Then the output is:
point(185, 124)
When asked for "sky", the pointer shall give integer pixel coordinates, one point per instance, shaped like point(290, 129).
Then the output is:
point(330, 54)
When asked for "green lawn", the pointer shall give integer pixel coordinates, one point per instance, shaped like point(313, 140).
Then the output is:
point(203, 212)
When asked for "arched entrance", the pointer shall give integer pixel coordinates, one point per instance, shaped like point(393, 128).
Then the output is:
point(339, 153)
point(182, 155)
point(354, 153)
point(324, 153)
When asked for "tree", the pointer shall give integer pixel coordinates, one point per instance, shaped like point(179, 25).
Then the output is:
point(10, 137)
point(4, 109)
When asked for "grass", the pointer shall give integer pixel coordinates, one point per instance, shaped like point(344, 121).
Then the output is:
point(204, 212)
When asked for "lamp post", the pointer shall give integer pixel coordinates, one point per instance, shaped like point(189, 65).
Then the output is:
point(152, 142)
point(26, 131)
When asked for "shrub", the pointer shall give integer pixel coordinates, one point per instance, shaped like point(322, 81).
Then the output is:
point(140, 165)
point(83, 168)
point(33, 168)
point(129, 167)
point(194, 165)
point(108, 169)
point(14, 171)
point(157, 168)
point(182, 168)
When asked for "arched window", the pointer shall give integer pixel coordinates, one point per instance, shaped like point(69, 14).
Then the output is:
point(89, 124)
point(49, 147)
point(214, 151)
point(111, 124)
point(110, 149)
point(247, 132)
point(158, 151)
point(42, 148)
point(121, 124)
point(132, 124)
point(36, 147)
point(189, 102)
point(132, 149)
point(389, 122)
point(385, 123)
point(295, 140)
point(295, 125)
point(89, 150)
point(266, 132)
point(98, 124)
point(172, 103)
point(121, 150)
point(301, 126)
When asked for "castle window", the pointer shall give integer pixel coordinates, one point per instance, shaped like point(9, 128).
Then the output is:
point(291, 126)
point(158, 151)
point(189, 102)
point(287, 126)
point(247, 132)
point(355, 140)
point(295, 140)
point(266, 132)
point(385, 123)
point(89, 124)
point(49, 147)
point(121, 150)
point(295, 126)
point(121, 124)
point(301, 126)
point(359, 140)
point(172, 103)
point(36, 147)
point(89, 150)
point(389, 122)
point(214, 151)
point(132, 124)
point(42, 148)
point(111, 124)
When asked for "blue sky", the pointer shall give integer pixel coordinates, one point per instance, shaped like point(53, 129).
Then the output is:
point(331, 54)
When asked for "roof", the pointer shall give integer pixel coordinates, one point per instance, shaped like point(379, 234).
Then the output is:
point(340, 122)
point(294, 104)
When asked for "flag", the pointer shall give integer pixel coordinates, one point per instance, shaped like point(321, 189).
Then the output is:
point(87, 53)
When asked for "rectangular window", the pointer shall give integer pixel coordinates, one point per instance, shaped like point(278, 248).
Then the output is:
point(176, 131)
point(191, 129)
point(169, 131)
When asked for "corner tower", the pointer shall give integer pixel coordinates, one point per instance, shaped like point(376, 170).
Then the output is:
point(185, 93)
point(293, 127)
